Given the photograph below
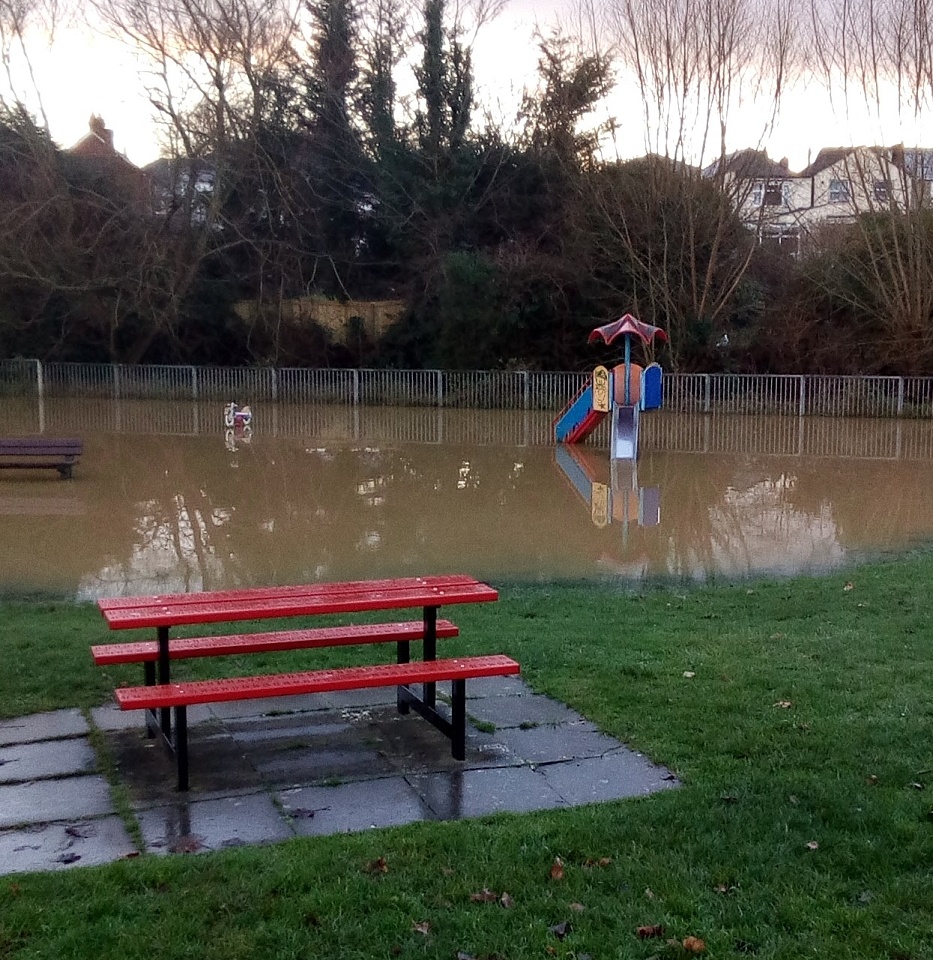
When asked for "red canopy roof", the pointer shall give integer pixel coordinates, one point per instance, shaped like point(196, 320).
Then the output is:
point(626, 325)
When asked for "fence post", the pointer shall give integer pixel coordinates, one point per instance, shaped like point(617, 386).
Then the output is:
point(116, 381)
point(40, 389)
point(356, 388)
point(706, 392)
point(802, 409)
point(194, 383)
point(440, 388)
point(526, 389)
point(275, 384)
point(900, 397)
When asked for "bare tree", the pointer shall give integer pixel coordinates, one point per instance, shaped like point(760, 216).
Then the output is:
point(699, 69)
point(876, 59)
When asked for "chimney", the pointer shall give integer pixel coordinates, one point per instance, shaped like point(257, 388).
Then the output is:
point(98, 128)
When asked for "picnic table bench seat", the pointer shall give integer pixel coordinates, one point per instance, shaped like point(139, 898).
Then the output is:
point(183, 648)
point(179, 696)
point(32, 453)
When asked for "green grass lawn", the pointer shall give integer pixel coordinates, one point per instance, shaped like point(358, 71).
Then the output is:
point(798, 714)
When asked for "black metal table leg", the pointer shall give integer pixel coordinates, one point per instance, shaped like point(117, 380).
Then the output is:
point(181, 746)
point(403, 655)
point(428, 690)
point(164, 677)
point(458, 719)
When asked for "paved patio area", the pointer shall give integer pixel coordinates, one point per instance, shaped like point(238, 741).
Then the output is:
point(267, 771)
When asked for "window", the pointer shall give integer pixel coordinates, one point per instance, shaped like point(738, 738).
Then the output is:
point(771, 193)
point(774, 194)
point(882, 189)
point(839, 191)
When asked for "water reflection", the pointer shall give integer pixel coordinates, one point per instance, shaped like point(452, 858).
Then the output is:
point(334, 493)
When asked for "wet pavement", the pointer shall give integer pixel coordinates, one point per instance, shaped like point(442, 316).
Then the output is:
point(265, 771)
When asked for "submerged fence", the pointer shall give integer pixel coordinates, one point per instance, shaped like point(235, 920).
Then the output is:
point(834, 396)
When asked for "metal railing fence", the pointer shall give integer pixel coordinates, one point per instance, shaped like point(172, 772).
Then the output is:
point(781, 394)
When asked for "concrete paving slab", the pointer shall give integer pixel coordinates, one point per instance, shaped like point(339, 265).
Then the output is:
point(373, 697)
point(190, 827)
point(58, 846)
point(350, 807)
point(270, 706)
point(456, 794)
point(112, 717)
point(51, 758)
point(535, 709)
point(43, 726)
point(44, 801)
point(614, 776)
point(351, 765)
point(218, 764)
point(511, 686)
point(566, 741)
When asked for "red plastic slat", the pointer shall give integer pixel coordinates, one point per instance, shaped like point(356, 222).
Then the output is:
point(187, 647)
point(245, 608)
point(314, 681)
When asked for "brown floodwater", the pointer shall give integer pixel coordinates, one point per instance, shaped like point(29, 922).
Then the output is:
point(165, 499)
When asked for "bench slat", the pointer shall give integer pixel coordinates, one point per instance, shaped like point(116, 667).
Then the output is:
point(312, 681)
point(55, 445)
point(242, 606)
point(187, 647)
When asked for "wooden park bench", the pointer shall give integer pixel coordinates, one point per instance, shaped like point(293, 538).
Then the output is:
point(159, 696)
point(32, 453)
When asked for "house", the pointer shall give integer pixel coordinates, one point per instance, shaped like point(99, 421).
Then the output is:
point(783, 207)
point(98, 160)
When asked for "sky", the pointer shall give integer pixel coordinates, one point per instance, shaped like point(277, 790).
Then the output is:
point(87, 73)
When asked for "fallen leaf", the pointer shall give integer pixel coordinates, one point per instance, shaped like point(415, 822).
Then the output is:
point(560, 930)
point(777, 636)
point(649, 893)
point(749, 593)
point(689, 674)
point(694, 944)
point(724, 888)
point(652, 930)
point(849, 586)
point(794, 800)
point(484, 896)
point(15, 889)
point(377, 866)
point(463, 955)
point(424, 927)
point(601, 862)
point(918, 786)
point(506, 901)
point(187, 844)
point(784, 704)
point(447, 871)
point(131, 855)
point(577, 907)
point(557, 869)
point(812, 845)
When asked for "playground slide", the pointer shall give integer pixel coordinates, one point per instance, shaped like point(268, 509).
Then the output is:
point(578, 419)
point(623, 442)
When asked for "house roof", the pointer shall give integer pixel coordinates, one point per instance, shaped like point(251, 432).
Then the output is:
point(750, 164)
point(827, 157)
